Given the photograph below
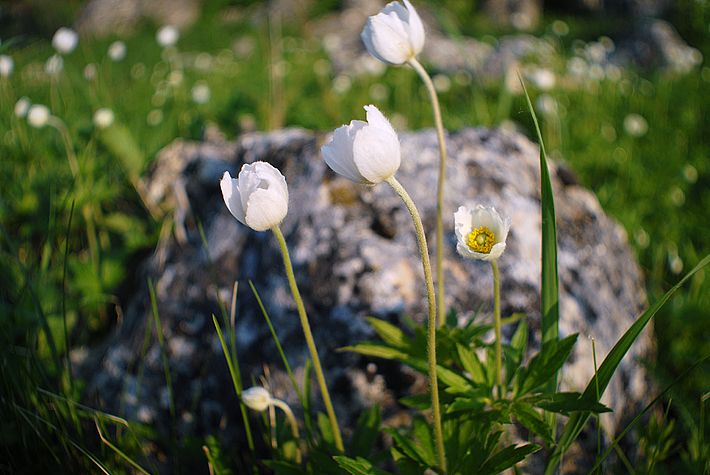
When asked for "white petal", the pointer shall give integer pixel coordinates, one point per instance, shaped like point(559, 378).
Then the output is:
point(388, 40)
point(496, 251)
point(415, 28)
point(230, 193)
point(462, 223)
point(266, 208)
point(376, 150)
point(338, 153)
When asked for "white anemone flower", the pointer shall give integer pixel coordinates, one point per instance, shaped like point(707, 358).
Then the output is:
point(65, 40)
point(258, 197)
point(22, 106)
point(103, 118)
point(6, 65)
point(256, 398)
point(481, 232)
point(364, 152)
point(117, 50)
point(38, 115)
point(167, 36)
point(200, 93)
point(395, 35)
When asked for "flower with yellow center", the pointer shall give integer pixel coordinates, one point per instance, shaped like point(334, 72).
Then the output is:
point(481, 232)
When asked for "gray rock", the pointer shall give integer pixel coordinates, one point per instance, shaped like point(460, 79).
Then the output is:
point(106, 17)
point(354, 253)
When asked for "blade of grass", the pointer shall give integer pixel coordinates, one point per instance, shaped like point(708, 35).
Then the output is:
point(64, 299)
point(161, 342)
point(118, 451)
point(576, 423)
point(236, 381)
point(638, 417)
point(549, 292)
point(278, 343)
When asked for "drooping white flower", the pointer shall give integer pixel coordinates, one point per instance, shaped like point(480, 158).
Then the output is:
point(480, 232)
point(54, 65)
point(167, 36)
point(65, 40)
point(6, 65)
point(258, 197)
point(38, 115)
point(394, 35)
point(117, 50)
point(364, 152)
point(22, 106)
point(256, 398)
point(103, 118)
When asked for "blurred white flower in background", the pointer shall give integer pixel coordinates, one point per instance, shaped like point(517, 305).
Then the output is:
point(65, 40)
point(395, 35)
point(103, 118)
point(577, 66)
point(6, 65)
point(342, 84)
point(167, 36)
point(201, 93)
point(175, 78)
point(560, 28)
point(22, 106)
point(155, 117)
point(546, 104)
point(635, 125)
point(117, 50)
point(90, 71)
point(542, 78)
point(54, 65)
point(442, 83)
point(38, 115)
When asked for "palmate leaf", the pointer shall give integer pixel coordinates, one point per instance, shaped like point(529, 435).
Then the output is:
point(576, 423)
point(366, 432)
point(545, 365)
point(389, 333)
point(505, 459)
point(358, 466)
point(531, 420)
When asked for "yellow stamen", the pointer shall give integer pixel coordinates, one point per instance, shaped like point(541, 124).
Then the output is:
point(481, 240)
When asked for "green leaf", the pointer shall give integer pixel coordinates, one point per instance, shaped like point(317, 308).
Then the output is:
point(545, 364)
point(567, 402)
point(389, 333)
point(576, 423)
point(366, 432)
point(519, 341)
point(549, 291)
point(377, 350)
point(358, 466)
point(471, 363)
point(532, 421)
point(454, 382)
point(420, 402)
point(283, 468)
point(407, 447)
point(422, 433)
point(326, 429)
point(506, 458)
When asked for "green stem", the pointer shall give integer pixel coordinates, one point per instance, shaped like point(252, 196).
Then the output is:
point(496, 315)
point(441, 182)
point(431, 330)
point(292, 422)
point(309, 338)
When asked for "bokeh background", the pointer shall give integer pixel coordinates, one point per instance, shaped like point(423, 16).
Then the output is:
point(620, 87)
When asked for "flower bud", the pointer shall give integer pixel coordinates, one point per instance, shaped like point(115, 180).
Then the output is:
point(258, 197)
point(364, 152)
point(395, 35)
point(256, 398)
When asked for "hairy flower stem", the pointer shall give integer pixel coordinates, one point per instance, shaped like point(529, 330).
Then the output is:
point(441, 182)
point(431, 327)
point(496, 316)
point(309, 339)
point(292, 422)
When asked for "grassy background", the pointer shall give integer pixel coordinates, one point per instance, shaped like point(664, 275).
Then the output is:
point(64, 271)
